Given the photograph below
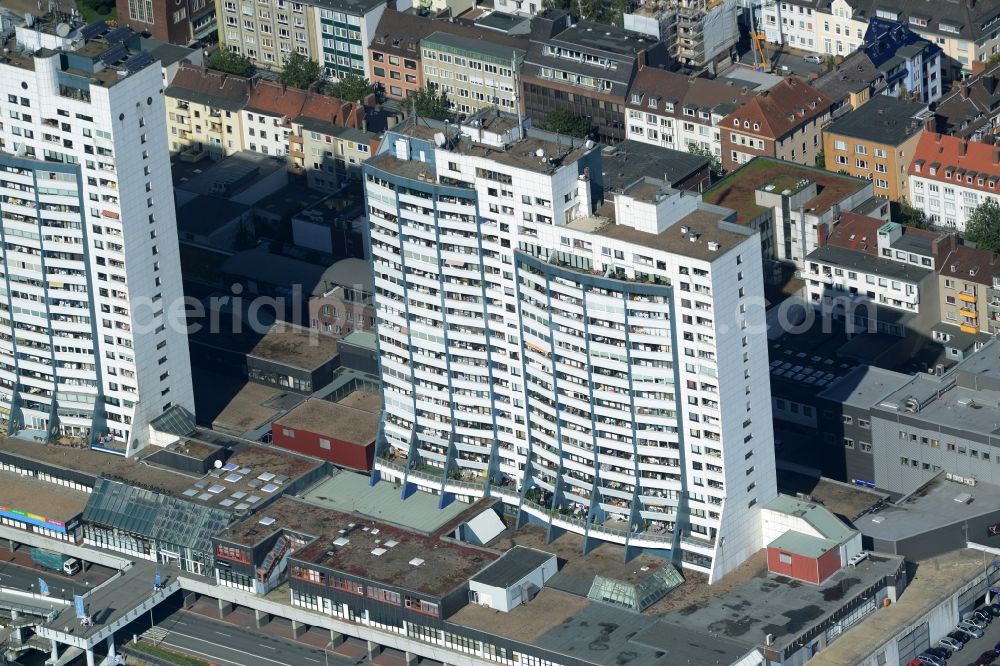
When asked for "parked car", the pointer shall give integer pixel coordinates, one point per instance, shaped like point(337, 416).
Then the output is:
point(987, 658)
point(960, 636)
point(953, 644)
point(930, 660)
point(983, 614)
point(813, 58)
point(969, 628)
point(974, 621)
point(995, 609)
point(939, 652)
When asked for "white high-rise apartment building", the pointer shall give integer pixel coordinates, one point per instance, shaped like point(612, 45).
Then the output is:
point(589, 358)
point(90, 264)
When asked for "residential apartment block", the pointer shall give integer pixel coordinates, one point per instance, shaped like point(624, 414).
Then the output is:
point(793, 207)
point(203, 112)
point(174, 22)
point(584, 68)
point(334, 33)
point(475, 73)
point(785, 121)
point(965, 32)
point(698, 33)
point(877, 276)
point(910, 65)
point(877, 142)
point(90, 256)
point(675, 111)
point(526, 320)
point(949, 177)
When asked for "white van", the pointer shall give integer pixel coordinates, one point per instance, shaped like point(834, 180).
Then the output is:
point(71, 566)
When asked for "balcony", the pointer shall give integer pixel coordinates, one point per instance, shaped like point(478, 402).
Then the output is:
point(966, 328)
point(971, 314)
point(967, 297)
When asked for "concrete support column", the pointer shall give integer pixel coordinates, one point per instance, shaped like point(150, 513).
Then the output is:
point(90, 657)
point(111, 649)
point(54, 652)
point(225, 608)
point(11, 545)
point(411, 659)
point(336, 638)
point(298, 628)
point(18, 635)
point(374, 649)
point(261, 617)
point(190, 598)
point(14, 614)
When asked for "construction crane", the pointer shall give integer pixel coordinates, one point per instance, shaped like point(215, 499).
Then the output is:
point(757, 34)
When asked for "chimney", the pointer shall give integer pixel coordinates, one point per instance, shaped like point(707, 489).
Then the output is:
point(996, 157)
point(965, 91)
point(963, 147)
point(937, 137)
point(641, 59)
point(930, 124)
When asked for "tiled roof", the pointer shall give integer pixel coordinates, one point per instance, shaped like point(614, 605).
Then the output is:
point(333, 110)
point(856, 73)
point(781, 109)
point(971, 105)
point(401, 32)
point(276, 99)
point(208, 86)
point(683, 91)
point(971, 264)
point(944, 153)
point(856, 232)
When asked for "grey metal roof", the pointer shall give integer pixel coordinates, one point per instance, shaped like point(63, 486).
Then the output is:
point(512, 566)
point(473, 46)
point(631, 160)
point(883, 119)
point(866, 263)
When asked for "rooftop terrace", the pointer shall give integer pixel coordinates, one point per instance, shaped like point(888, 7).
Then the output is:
point(738, 189)
point(295, 346)
point(41, 498)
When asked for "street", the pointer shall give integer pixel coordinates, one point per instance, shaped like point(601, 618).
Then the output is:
point(21, 574)
point(228, 645)
point(977, 646)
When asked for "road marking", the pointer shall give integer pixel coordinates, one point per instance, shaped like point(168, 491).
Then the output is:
point(222, 634)
point(311, 659)
point(224, 647)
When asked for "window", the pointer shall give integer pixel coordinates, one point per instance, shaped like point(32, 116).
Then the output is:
point(784, 558)
point(324, 443)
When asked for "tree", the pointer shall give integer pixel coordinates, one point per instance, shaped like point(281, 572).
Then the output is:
point(821, 159)
point(714, 165)
point(227, 61)
point(566, 122)
point(907, 214)
point(429, 103)
point(983, 226)
point(299, 71)
point(351, 88)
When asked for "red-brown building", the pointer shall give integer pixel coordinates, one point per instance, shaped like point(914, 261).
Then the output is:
point(341, 433)
point(803, 557)
point(807, 542)
point(785, 121)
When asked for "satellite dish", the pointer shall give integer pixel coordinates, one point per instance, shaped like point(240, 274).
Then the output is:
point(218, 464)
point(439, 139)
point(62, 30)
point(588, 144)
point(540, 153)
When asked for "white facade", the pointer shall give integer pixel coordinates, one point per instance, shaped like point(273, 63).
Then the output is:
point(89, 345)
point(948, 204)
point(790, 24)
point(265, 133)
point(660, 129)
point(607, 387)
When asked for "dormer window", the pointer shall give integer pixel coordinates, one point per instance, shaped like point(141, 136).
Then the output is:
point(746, 123)
point(736, 121)
point(669, 106)
point(756, 126)
point(636, 98)
point(652, 102)
point(933, 171)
